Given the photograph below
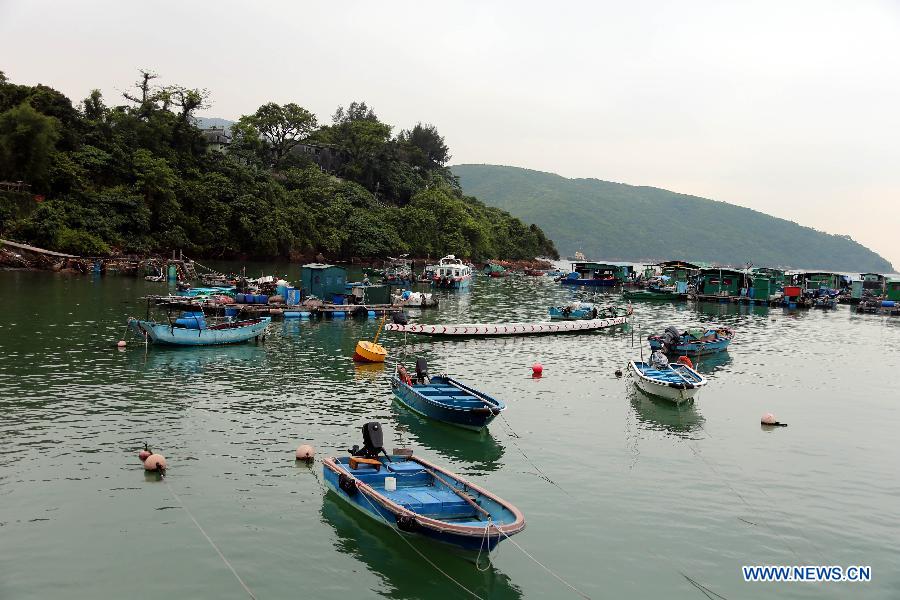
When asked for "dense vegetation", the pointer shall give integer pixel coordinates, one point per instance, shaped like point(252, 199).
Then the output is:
point(615, 221)
point(139, 177)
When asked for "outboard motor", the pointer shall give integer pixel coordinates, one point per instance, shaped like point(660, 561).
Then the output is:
point(671, 336)
point(399, 318)
point(421, 370)
point(373, 441)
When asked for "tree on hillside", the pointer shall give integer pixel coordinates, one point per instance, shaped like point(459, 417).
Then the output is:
point(425, 146)
point(27, 142)
point(281, 127)
point(358, 132)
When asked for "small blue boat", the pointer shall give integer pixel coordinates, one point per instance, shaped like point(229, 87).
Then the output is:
point(194, 331)
point(577, 279)
point(412, 495)
point(693, 342)
point(444, 399)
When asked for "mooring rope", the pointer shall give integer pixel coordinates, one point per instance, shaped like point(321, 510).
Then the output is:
point(545, 567)
point(209, 539)
point(540, 472)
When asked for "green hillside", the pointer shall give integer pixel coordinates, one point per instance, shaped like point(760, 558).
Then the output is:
point(615, 221)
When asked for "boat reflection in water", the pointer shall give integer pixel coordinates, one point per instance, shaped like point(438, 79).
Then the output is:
point(711, 363)
point(658, 414)
point(198, 359)
point(402, 570)
point(472, 451)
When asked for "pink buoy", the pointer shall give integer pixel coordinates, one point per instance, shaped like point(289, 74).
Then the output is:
point(155, 462)
point(144, 455)
point(768, 419)
point(120, 344)
point(306, 452)
point(537, 369)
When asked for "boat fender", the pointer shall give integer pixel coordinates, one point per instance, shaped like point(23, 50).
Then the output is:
point(407, 523)
point(348, 484)
point(156, 462)
point(305, 452)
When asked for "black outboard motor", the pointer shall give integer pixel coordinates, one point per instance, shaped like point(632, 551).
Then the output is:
point(399, 318)
point(373, 442)
point(671, 337)
point(421, 370)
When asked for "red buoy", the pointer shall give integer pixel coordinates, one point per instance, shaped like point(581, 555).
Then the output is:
point(144, 455)
point(537, 369)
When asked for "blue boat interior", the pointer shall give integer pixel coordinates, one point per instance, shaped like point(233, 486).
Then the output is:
point(418, 491)
point(677, 374)
point(439, 390)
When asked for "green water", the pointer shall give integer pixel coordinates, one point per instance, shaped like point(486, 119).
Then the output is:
point(646, 493)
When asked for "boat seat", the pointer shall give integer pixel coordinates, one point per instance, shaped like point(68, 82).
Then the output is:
point(431, 502)
point(355, 461)
point(406, 466)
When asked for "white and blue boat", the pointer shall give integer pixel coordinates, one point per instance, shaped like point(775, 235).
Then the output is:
point(192, 330)
point(451, 273)
point(444, 399)
point(414, 496)
point(673, 381)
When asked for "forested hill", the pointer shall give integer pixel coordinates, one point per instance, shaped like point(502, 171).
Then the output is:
point(617, 221)
point(134, 174)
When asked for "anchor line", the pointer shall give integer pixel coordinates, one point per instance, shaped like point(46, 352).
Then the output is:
point(541, 473)
point(211, 542)
point(545, 567)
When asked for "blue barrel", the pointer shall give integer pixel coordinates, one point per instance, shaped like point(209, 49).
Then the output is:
point(281, 290)
point(305, 315)
point(338, 299)
point(338, 314)
point(262, 299)
point(293, 296)
point(231, 311)
point(240, 298)
point(888, 303)
point(192, 313)
point(292, 314)
point(191, 322)
point(371, 314)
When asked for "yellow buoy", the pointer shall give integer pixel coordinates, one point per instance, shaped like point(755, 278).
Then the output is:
point(367, 351)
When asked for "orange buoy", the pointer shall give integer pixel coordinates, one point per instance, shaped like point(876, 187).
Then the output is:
point(155, 462)
point(306, 452)
point(537, 369)
point(367, 351)
point(144, 455)
point(684, 360)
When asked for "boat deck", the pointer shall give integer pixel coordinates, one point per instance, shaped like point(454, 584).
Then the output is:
point(447, 394)
point(673, 375)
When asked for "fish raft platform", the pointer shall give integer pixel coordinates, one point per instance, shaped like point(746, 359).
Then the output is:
point(272, 310)
point(734, 300)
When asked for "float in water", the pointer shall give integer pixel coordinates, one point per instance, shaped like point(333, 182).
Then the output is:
point(503, 329)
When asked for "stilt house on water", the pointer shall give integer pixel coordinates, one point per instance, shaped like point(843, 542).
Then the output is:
point(892, 289)
point(598, 274)
point(873, 281)
point(815, 280)
point(679, 270)
point(722, 283)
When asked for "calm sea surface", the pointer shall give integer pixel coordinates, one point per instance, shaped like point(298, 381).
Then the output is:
point(647, 496)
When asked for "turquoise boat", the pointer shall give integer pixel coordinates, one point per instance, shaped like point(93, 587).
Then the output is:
point(414, 496)
point(692, 342)
point(193, 331)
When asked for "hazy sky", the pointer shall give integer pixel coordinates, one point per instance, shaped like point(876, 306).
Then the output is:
point(788, 107)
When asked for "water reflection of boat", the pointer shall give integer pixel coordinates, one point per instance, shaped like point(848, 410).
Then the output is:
point(198, 359)
point(477, 450)
point(712, 362)
point(656, 414)
point(400, 568)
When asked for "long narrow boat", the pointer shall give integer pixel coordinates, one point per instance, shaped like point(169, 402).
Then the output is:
point(692, 343)
point(412, 495)
point(445, 399)
point(501, 329)
point(677, 383)
point(223, 333)
point(654, 294)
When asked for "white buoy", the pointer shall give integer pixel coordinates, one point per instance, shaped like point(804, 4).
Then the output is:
point(120, 344)
point(306, 452)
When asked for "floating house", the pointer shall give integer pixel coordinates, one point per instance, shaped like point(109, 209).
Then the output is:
point(873, 281)
point(724, 283)
point(598, 274)
point(323, 281)
point(892, 289)
point(817, 280)
point(679, 270)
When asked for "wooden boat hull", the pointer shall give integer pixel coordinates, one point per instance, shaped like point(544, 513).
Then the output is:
point(506, 329)
point(423, 508)
point(162, 333)
point(427, 400)
point(674, 389)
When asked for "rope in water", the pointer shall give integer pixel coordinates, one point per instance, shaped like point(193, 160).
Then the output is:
point(541, 474)
point(545, 567)
point(209, 539)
